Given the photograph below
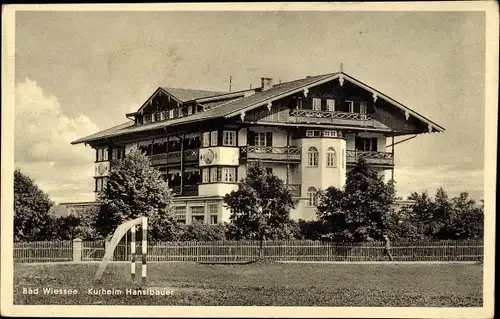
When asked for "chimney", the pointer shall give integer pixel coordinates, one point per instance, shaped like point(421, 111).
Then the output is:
point(266, 83)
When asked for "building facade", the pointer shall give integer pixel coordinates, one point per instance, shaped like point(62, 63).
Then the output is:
point(309, 132)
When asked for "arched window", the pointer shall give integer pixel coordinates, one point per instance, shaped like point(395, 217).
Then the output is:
point(312, 156)
point(331, 157)
point(312, 196)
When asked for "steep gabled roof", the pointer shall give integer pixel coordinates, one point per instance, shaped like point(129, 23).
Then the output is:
point(185, 95)
point(259, 98)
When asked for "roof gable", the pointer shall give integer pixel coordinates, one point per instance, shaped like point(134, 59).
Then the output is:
point(240, 102)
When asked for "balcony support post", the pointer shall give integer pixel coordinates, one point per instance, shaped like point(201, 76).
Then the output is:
point(182, 162)
point(287, 155)
point(392, 151)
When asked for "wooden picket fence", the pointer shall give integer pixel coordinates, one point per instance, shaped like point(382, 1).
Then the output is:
point(244, 250)
point(43, 251)
point(297, 250)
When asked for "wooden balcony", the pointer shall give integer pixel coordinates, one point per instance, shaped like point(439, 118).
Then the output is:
point(187, 190)
point(174, 157)
point(321, 117)
point(270, 153)
point(371, 157)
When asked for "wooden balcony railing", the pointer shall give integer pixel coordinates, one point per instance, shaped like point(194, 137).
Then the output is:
point(174, 157)
point(187, 190)
point(290, 153)
point(302, 116)
point(371, 157)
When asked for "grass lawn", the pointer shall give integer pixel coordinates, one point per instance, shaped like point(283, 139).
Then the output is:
point(266, 284)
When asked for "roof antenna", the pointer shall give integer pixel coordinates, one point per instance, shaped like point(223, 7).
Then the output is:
point(250, 86)
point(341, 67)
point(230, 81)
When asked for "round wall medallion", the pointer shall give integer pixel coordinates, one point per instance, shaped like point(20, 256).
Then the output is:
point(209, 157)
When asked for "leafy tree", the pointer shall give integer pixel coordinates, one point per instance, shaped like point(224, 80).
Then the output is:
point(442, 218)
point(32, 220)
point(359, 211)
point(134, 189)
point(260, 208)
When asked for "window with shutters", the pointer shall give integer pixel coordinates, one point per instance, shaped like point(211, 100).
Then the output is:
point(331, 157)
point(312, 197)
point(312, 157)
point(316, 104)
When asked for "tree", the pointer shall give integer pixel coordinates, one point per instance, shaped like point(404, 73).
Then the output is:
point(359, 211)
point(134, 189)
point(260, 207)
point(32, 220)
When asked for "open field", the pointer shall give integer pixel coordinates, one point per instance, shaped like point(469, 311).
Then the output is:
point(261, 284)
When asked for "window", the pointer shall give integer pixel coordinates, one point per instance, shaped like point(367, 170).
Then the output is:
point(328, 133)
point(213, 138)
point(213, 211)
point(102, 154)
point(312, 197)
point(198, 214)
point(229, 138)
point(331, 157)
point(349, 106)
point(213, 219)
point(162, 115)
point(330, 105)
point(313, 133)
point(206, 139)
point(362, 108)
point(190, 110)
point(260, 139)
point(180, 214)
point(316, 104)
point(100, 183)
point(157, 116)
point(147, 118)
point(365, 144)
point(213, 175)
point(205, 175)
point(229, 174)
point(269, 170)
point(312, 156)
point(171, 114)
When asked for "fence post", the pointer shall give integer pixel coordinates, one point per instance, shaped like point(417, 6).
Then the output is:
point(77, 249)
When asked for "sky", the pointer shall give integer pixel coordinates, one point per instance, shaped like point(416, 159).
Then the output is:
point(80, 72)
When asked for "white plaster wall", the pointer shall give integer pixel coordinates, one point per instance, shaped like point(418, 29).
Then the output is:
point(322, 177)
point(216, 189)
